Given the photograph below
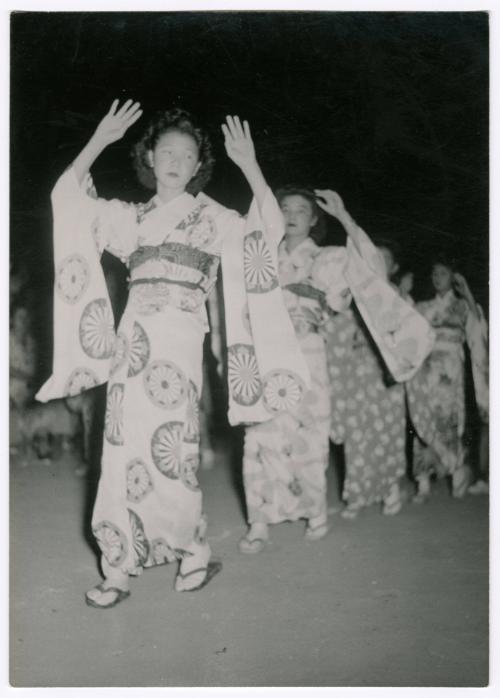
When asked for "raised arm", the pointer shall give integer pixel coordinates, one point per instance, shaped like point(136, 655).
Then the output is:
point(462, 288)
point(332, 203)
point(110, 129)
point(240, 149)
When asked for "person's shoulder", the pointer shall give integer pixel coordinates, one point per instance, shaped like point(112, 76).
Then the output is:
point(213, 208)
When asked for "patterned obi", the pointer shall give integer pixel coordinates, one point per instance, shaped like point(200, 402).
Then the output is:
point(306, 306)
point(171, 274)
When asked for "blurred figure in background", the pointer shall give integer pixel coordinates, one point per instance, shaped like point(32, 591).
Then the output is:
point(457, 319)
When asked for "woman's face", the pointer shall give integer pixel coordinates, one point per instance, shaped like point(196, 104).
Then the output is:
point(175, 160)
point(299, 216)
point(442, 278)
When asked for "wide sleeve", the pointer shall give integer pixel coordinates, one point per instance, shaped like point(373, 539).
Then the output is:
point(476, 333)
point(402, 334)
point(267, 373)
point(83, 324)
point(114, 222)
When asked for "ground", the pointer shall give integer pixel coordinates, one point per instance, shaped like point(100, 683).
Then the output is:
point(381, 601)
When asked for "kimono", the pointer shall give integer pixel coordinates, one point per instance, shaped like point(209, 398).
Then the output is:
point(440, 382)
point(368, 412)
point(285, 461)
point(148, 508)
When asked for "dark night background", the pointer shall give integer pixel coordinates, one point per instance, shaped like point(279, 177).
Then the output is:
point(389, 109)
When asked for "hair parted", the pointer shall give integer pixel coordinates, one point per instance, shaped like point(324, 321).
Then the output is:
point(173, 120)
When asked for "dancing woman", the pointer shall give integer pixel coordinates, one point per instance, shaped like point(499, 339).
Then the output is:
point(457, 319)
point(285, 460)
point(148, 509)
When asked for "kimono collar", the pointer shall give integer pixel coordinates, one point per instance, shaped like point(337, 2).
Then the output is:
point(300, 254)
point(446, 300)
point(181, 201)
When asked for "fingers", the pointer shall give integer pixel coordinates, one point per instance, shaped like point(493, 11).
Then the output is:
point(225, 131)
point(234, 127)
point(133, 113)
point(112, 109)
point(132, 119)
point(124, 108)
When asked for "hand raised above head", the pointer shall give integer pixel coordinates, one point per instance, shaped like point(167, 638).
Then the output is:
point(116, 122)
point(330, 202)
point(238, 141)
point(460, 285)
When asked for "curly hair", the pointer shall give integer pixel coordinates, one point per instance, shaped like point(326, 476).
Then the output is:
point(318, 231)
point(173, 120)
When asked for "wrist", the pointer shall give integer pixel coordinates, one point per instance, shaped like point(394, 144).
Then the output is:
point(250, 168)
point(97, 143)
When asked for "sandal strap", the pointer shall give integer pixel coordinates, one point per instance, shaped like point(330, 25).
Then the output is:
point(188, 574)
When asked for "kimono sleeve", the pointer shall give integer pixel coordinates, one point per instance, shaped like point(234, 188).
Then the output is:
point(267, 373)
point(83, 330)
point(113, 223)
point(403, 336)
point(476, 333)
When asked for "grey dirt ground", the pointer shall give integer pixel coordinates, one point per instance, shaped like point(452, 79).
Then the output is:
point(380, 602)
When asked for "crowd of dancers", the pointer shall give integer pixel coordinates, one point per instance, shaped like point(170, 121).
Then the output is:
point(320, 345)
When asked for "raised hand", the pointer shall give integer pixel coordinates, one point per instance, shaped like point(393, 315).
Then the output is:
point(461, 286)
point(238, 142)
point(406, 283)
point(116, 122)
point(330, 202)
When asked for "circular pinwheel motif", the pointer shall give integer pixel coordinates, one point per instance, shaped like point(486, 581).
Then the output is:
point(189, 469)
point(140, 542)
point(192, 425)
point(283, 391)
point(139, 482)
point(97, 331)
point(72, 278)
point(161, 552)
point(80, 379)
point(112, 542)
point(243, 374)
point(139, 351)
point(259, 270)
point(113, 421)
point(165, 384)
point(166, 449)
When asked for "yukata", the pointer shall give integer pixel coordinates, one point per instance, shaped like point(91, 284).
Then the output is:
point(441, 382)
point(148, 508)
point(285, 461)
point(368, 412)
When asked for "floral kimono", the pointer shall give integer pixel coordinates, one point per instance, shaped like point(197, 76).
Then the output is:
point(368, 412)
point(440, 382)
point(285, 461)
point(149, 506)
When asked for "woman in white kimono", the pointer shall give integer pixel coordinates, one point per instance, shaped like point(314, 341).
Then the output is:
point(456, 318)
point(285, 460)
point(148, 509)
